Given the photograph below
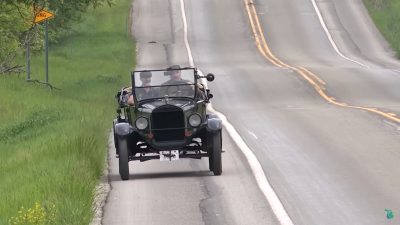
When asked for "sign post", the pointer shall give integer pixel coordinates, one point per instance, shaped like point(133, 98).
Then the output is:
point(46, 43)
point(44, 16)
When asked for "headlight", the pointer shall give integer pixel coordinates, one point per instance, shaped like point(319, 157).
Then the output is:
point(141, 123)
point(194, 120)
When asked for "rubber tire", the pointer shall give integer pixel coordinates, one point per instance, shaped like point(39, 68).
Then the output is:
point(215, 158)
point(210, 150)
point(123, 158)
point(115, 140)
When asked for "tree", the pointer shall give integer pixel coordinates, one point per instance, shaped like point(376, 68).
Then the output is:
point(17, 28)
point(13, 23)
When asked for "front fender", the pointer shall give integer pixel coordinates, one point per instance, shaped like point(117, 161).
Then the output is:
point(214, 124)
point(123, 129)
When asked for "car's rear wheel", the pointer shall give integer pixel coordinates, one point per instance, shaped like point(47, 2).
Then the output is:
point(123, 158)
point(115, 138)
point(215, 159)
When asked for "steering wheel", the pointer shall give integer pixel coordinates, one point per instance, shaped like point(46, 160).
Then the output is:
point(174, 91)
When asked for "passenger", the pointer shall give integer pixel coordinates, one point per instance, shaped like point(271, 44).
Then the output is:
point(145, 91)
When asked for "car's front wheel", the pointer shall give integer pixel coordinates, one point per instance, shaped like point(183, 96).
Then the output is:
point(214, 154)
point(123, 158)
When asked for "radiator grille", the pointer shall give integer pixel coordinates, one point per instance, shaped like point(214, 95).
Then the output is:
point(168, 124)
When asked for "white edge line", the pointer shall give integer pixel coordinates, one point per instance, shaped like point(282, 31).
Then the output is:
point(255, 165)
point(253, 134)
point(258, 172)
point(185, 33)
point(321, 20)
point(394, 125)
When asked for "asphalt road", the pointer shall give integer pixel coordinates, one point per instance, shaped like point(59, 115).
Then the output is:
point(327, 162)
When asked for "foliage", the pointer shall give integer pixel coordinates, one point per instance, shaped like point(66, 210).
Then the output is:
point(13, 24)
point(67, 13)
point(17, 29)
point(386, 16)
point(37, 215)
point(47, 136)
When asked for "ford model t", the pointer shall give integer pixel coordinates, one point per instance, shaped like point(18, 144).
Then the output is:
point(164, 117)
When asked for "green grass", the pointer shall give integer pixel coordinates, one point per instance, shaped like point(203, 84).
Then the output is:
point(53, 142)
point(386, 15)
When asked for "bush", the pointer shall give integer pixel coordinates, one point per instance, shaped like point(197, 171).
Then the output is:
point(36, 215)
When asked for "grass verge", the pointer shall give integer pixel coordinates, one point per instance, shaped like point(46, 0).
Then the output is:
point(53, 142)
point(386, 16)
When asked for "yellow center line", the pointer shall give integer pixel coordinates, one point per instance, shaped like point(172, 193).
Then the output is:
point(322, 82)
point(257, 36)
point(312, 78)
point(261, 35)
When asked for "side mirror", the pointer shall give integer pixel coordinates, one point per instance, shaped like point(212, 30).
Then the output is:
point(210, 77)
point(209, 95)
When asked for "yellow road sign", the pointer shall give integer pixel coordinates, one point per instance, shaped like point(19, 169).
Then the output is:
point(43, 15)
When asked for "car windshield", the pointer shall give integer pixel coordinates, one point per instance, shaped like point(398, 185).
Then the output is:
point(152, 84)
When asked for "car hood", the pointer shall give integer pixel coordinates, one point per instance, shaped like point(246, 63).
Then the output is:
point(149, 106)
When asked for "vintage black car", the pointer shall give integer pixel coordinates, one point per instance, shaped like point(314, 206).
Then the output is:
point(164, 116)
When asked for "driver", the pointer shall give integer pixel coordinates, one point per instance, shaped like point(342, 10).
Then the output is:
point(175, 78)
point(145, 90)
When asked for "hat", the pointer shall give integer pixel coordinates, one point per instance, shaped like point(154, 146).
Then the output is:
point(174, 67)
point(145, 74)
